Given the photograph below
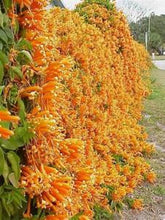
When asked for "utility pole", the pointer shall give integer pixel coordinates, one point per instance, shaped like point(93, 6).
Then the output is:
point(149, 26)
point(146, 40)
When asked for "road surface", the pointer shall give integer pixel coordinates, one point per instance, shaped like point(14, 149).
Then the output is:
point(160, 64)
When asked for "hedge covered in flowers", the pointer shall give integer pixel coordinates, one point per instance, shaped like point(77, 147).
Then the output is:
point(72, 90)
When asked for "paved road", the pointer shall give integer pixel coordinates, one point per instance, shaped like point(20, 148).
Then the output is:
point(159, 64)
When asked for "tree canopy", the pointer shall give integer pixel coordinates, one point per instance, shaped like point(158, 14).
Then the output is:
point(57, 3)
point(154, 25)
point(133, 10)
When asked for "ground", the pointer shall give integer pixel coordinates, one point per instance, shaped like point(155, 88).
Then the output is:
point(154, 121)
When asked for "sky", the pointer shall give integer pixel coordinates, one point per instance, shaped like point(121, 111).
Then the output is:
point(156, 6)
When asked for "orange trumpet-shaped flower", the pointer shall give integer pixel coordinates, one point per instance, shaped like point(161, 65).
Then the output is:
point(119, 194)
point(30, 89)
point(30, 92)
point(151, 177)
point(47, 184)
point(83, 217)
point(31, 4)
point(83, 174)
point(5, 133)
point(24, 3)
point(137, 204)
point(6, 116)
point(56, 217)
point(72, 149)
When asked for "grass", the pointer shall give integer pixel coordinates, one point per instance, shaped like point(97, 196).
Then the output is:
point(154, 113)
point(154, 121)
point(153, 195)
point(159, 190)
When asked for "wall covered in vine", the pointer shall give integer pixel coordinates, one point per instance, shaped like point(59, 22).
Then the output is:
point(72, 87)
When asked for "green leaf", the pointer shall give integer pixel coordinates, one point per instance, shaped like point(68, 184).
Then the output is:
point(2, 161)
point(119, 159)
point(14, 161)
point(9, 33)
point(1, 71)
point(16, 27)
point(5, 124)
point(1, 89)
point(16, 71)
point(27, 55)
point(13, 180)
point(6, 20)
point(102, 213)
point(5, 216)
point(129, 202)
point(76, 217)
point(13, 143)
point(1, 218)
point(1, 45)
point(1, 19)
point(7, 3)
point(5, 172)
point(21, 137)
point(13, 94)
point(11, 209)
point(22, 111)
point(13, 199)
point(1, 190)
point(5, 206)
point(20, 202)
point(24, 57)
point(1, 97)
point(3, 58)
point(24, 133)
point(17, 201)
point(23, 45)
point(9, 198)
point(3, 36)
point(18, 193)
point(99, 85)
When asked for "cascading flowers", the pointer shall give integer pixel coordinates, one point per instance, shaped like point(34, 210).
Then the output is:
point(84, 88)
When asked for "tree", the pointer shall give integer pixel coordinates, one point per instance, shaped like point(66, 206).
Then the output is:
point(133, 10)
point(156, 36)
point(155, 43)
point(57, 3)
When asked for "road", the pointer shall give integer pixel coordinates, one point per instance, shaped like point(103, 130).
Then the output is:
point(160, 64)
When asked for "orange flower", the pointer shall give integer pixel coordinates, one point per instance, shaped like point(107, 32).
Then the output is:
point(83, 174)
point(31, 4)
point(56, 217)
point(6, 116)
point(137, 204)
point(84, 217)
point(24, 3)
point(151, 177)
point(5, 133)
point(119, 194)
